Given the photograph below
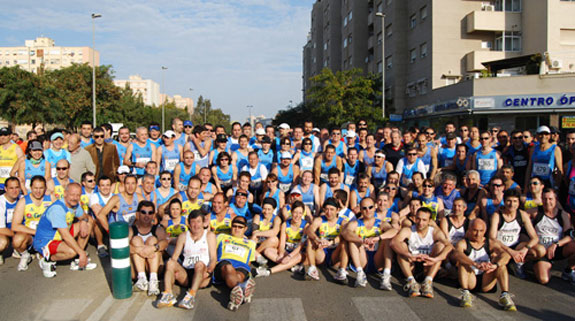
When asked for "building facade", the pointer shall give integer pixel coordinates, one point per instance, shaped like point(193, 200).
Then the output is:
point(149, 89)
point(43, 52)
point(460, 60)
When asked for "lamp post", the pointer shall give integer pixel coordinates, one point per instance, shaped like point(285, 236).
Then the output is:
point(250, 109)
point(382, 16)
point(190, 107)
point(94, 17)
point(164, 101)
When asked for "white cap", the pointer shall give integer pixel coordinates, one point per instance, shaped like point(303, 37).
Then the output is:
point(283, 126)
point(315, 129)
point(296, 191)
point(285, 155)
point(350, 134)
point(260, 131)
point(123, 170)
point(170, 134)
point(543, 129)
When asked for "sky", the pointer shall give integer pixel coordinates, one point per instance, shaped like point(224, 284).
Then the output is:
point(234, 52)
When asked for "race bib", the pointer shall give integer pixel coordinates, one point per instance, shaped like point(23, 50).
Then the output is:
point(486, 164)
point(143, 160)
point(235, 250)
point(53, 171)
point(546, 241)
point(323, 176)
point(197, 155)
point(9, 215)
point(32, 224)
point(541, 169)
point(349, 180)
point(5, 171)
point(284, 187)
point(171, 164)
point(256, 184)
point(190, 261)
point(306, 163)
point(182, 187)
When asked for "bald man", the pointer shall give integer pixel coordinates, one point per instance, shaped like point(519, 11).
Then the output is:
point(60, 182)
point(63, 233)
point(478, 269)
point(81, 161)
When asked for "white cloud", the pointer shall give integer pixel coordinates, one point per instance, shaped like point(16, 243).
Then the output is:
point(234, 52)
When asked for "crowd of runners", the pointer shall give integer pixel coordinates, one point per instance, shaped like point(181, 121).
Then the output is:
point(209, 207)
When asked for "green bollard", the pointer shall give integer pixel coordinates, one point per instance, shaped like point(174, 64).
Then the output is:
point(120, 258)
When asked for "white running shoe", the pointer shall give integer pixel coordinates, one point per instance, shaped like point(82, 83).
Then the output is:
point(74, 265)
point(48, 268)
point(141, 284)
point(385, 283)
point(341, 276)
point(361, 279)
point(153, 288)
point(25, 259)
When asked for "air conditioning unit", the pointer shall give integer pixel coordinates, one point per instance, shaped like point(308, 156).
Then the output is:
point(488, 7)
point(556, 64)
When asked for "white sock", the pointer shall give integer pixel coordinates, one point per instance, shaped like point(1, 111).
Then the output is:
point(386, 271)
point(359, 270)
point(428, 279)
point(153, 276)
point(410, 278)
point(142, 275)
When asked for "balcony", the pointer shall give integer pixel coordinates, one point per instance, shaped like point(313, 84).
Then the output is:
point(493, 21)
point(475, 58)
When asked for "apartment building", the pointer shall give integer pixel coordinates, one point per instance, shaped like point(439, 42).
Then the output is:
point(462, 60)
point(149, 89)
point(43, 52)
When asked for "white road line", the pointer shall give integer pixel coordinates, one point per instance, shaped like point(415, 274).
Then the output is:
point(149, 313)
point(65, 309)
point(102, 309)
point(277, 310)
point(376, 308)
point(123, 308)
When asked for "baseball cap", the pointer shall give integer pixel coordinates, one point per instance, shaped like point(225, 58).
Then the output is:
point(154, 127)
point(283, 126)
point(56, 136)
point(260, 131)
point(221, 138)
point(450, 135)
point(188, 123)
point(543, 129)
point(285, 155)
point(266, 140)
point(350, 134)
point(240, 220)
point(5, 131)
point(295, 191)
point(315, 129)
point(169, 134)
point(35, 145)
point(123, 170)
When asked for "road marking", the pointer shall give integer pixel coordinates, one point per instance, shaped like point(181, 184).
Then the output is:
point(393, 308)
point(102, 309)
point(482, 310)
point(123, 308)
point(65, 309)
point(150, 313)
point(277, 310)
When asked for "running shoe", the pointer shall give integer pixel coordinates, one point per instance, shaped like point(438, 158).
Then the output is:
point(412, 288)
point(466, 299)
point(361, 279)
point(153, 287)
point(249, 289)
point(25, 259)
point(188, 302)
point(262, 272)
point(48, 268)
point(385, 283)
point(506, 302)
point(427, 289)
point(341, 276)
point(261, 260)
point(312, 273)
point(568, 276)
point(141, 284)
point(236, 298)
point(75, 266)
point(166, 300)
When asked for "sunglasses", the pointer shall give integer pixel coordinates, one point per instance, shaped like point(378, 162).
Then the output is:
point(286, 144)
point(534, 183)
point(147, 212)
point(518, 137)
point(366, 208)
point(98, 136)
point(412, 154)
point(89, 181)
point(430, 133)
point(496, 185)
point(188, 126)
point(428, 185)
point(238, 226)
point(485, 138)
point(61, 168)
point(307, 144)
point(390, 188)
point(242, 194)
point(526, 136)
point(225, 159)
point(166, 179)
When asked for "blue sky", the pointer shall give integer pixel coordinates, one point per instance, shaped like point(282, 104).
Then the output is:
point(234, 52)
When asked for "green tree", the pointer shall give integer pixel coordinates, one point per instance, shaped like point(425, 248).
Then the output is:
point(215, 116)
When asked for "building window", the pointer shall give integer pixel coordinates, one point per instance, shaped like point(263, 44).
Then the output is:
point(379, 38)
point(412, 55)
point(423, 50)
point(508, 5)
point(423, 12)
point(412, 21)
point(345, 43)
point(508, 41)
point(326, 45)
point(450, 81)
point(422, 86)
point(380, 7)
point(349, 39)
point(345, 21)
point(379, 67)
point(486, 45)
point(388, 62)
point(388, 30)
point(388, 2)
point(349, 16)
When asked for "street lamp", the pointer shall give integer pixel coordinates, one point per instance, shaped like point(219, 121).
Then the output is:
point(190, 107)
point(382, 16)
point(164, 101)
point(94, 17)
point(250, 109)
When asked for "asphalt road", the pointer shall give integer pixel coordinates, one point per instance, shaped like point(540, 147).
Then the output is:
point(86, 295)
